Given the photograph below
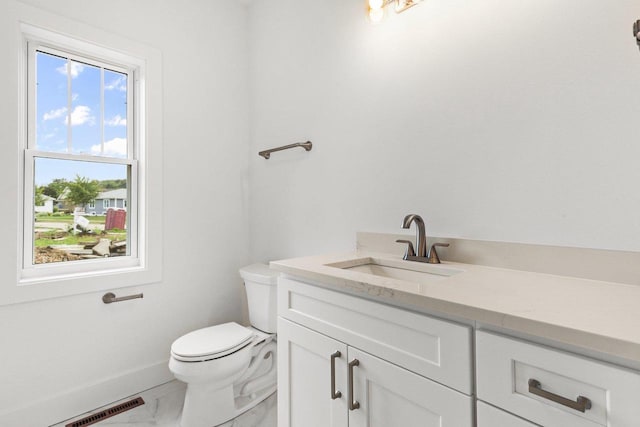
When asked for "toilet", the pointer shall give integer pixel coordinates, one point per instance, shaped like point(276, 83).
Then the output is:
point(230, 368)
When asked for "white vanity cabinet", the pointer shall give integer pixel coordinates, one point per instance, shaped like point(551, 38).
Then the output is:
point(335, 349)
point(496, 368)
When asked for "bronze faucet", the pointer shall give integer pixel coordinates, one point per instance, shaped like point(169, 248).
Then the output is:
point(421, 242)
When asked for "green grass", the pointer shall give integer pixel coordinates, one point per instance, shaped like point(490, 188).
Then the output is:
point(69, 240)
point(78, 239)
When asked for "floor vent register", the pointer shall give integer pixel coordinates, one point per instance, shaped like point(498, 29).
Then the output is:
point(107, 413)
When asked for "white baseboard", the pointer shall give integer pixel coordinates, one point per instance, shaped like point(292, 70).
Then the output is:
point(69, 404)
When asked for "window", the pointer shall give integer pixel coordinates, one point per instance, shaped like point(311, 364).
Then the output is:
point(81, 142)
point(91, 151)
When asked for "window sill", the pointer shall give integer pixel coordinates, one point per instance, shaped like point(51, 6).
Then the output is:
point(38, 288)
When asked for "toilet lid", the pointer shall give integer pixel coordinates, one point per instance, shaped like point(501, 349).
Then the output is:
point(213, 340)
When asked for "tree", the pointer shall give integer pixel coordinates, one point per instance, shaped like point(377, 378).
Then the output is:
point(82, 191)
point(38, 199)
point(113, 184)
point(55, 188)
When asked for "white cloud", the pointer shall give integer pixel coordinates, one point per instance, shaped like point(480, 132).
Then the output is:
point(120, 84)
point(116, 121)
point(81, 115)
point(116, 147)
point(76, 69)
point(54, 114)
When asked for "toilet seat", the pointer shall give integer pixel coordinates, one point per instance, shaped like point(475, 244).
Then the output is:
point(212, 342)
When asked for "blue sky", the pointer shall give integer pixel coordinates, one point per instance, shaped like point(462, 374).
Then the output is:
point(55, 121)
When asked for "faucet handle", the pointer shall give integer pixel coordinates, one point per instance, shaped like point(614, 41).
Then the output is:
point(433, 254)
point(410, 251)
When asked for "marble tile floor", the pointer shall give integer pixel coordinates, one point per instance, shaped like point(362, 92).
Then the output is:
point(163, 406)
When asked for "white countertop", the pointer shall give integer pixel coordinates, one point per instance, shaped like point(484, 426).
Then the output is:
point(595, 315)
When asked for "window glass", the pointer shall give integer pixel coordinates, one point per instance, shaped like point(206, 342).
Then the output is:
point(86, 133)
point(81, 110)
point(70, 231)
point(52, 103)
point(115, 114)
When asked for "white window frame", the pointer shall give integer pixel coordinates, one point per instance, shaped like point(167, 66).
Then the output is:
point(43, 281)
point(30, 270)
point(92, 204)
point(106, 203)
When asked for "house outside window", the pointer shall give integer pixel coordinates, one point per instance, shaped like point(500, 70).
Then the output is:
point(92, 204)
point(106, 203)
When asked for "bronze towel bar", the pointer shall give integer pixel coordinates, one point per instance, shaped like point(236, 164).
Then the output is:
point(267, 153)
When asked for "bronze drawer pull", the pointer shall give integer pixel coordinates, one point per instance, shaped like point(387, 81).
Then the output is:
point(353, 404)
point(335, 394)
point(580, 404)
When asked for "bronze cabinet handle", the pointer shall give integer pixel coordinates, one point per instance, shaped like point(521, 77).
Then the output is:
point(335, 394)
point(353, 404)
point(580, 404)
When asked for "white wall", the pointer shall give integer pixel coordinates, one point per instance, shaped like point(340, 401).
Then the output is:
point(78, 345)
point(495, 120)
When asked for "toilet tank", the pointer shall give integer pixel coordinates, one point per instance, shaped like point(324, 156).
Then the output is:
point(260, 282)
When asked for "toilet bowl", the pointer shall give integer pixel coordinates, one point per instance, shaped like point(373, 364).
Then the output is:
point(230, 368)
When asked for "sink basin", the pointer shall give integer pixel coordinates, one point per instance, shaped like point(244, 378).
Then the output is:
point(409, 271)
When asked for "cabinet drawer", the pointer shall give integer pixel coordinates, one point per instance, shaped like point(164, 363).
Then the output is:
point(488, 416)
point(433, 348)
point(540, 384)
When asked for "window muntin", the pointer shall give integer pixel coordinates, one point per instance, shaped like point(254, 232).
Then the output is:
point(81, 115)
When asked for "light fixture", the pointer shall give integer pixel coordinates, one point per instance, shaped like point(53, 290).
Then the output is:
point(376, 7)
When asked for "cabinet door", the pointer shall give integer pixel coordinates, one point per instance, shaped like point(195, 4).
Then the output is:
point(392, 396)
point(305, 395)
